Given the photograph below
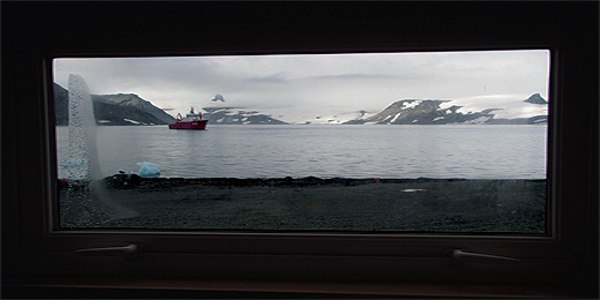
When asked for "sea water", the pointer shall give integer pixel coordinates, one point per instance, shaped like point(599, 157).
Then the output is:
point(326, 151)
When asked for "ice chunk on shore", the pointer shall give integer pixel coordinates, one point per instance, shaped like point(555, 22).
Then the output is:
point(148, 169)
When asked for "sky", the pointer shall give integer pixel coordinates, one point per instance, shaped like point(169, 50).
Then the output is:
point(296, 87)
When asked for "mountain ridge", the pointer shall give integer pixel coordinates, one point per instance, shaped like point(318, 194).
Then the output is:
point(116, 110)
point(124, 109)
point(233, 115)
point(130, 109)
point(439, 112)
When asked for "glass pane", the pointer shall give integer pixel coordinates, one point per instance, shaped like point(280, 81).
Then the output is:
point(372, 142)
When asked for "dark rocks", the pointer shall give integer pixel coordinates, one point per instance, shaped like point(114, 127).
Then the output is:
point(536, 99)
point(123, 180)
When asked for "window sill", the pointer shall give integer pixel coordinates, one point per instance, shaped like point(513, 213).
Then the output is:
point(269, 289)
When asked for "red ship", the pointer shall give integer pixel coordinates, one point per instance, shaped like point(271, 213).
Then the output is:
point(191, 121)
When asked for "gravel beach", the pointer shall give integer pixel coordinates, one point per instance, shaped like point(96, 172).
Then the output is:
point(338, 204)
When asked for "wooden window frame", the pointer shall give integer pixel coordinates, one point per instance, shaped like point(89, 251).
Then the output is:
point(562, 263)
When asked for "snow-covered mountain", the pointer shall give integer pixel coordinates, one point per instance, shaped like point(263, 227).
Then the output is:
point(130, 109)
point(134, 101)
point(483, 110)
point(117, 109)
point(236, 115)
point(336, 119)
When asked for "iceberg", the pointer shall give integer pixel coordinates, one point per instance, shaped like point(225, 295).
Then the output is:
point(148, 169)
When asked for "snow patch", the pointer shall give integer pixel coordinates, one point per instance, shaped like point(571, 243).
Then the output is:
point(411, 104)
point(395, 118)
point(512, 106)
point(132, 121)
point(480, 120)
point(333, 119)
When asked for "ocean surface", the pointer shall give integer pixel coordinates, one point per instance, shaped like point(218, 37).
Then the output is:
point(362, 151)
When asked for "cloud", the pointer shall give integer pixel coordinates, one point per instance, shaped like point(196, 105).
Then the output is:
point(218, 98)
point(295, 84)
point(361, 76)
point(277, 78)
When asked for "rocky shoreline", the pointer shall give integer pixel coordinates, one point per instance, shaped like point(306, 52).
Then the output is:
point(135, 181)
point(298, 204)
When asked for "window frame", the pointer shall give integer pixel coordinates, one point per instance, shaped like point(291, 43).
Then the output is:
point(313, 257)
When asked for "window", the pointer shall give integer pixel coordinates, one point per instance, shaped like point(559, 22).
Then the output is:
point(468, 154)
point(562, 261)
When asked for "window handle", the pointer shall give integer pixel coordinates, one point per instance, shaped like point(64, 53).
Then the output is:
point(458, 254)
point(108, 251)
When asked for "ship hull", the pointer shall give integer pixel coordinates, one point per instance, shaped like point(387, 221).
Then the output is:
point(193, 125)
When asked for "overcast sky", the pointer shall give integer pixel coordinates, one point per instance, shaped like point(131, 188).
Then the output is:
point(301, 86)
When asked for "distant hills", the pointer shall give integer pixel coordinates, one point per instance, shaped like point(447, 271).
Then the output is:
point(437, 112)
point(119, 109)
point(236, 115)
point(536, 99)
point(130, 109)
point(533, 110)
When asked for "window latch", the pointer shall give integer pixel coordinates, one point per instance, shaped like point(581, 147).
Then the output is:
point(108, 251)
point(459, 255)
